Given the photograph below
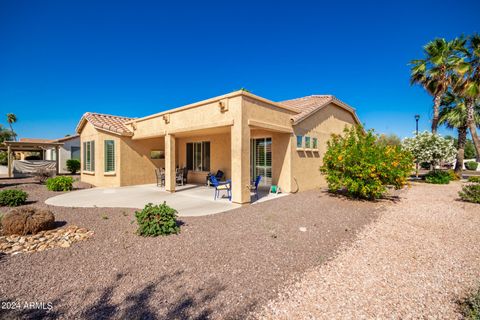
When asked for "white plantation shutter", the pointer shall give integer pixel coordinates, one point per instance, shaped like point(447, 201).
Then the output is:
point(92, 155)
point(89, 156)
point(109, 156)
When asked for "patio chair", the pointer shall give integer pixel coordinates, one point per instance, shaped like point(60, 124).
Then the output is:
point(160, 174)
point(179, 176)
point(227, 185)
point(254, 186)
point(219, 175)
point(185, 174)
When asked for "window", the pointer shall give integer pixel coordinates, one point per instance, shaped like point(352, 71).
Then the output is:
point(307, 142)
point(198, 156)
point(75, 153)
point(89, 156)
point(299, 141)
point(53, 154)
point(314, 143)
point(157, 154)
point(109, 156)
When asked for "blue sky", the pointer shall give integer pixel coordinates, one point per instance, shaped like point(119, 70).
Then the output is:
point(59, 59)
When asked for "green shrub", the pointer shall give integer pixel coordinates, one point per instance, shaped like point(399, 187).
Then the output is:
point(471, 165)
point(470, 193)
point(474, 179)
point(156, 220)
point(357, 164)
point(471, 306)
point(13, 198)
point(3, 158)
point(73, 165)
point(60, 183)
point(438, 177)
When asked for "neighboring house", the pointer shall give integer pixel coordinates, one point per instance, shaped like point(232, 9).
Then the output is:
point(242, 134)
point(69, 150)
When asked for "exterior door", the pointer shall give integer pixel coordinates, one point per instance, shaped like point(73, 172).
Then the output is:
point(261, 160)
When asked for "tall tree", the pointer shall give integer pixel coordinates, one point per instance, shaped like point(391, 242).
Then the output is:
point(454, 116)
point(434, 72)
point(470, 87)
point(11, 119)
point(5, 135)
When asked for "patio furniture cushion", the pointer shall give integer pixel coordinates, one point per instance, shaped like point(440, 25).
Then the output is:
point(223, 187)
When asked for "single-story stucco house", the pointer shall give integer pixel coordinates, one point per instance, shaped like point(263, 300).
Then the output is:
point(240, 133)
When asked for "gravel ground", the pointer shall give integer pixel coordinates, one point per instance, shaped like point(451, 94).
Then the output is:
point(220, 266)
point(416, 261)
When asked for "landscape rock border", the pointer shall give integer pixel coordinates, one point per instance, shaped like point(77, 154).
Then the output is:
point(58, 238)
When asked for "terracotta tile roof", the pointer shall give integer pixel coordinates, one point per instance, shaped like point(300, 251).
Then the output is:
point(35, 140)
point(310, 104)
point(107, 122)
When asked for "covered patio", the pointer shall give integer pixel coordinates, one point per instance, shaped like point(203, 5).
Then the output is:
point(188, 200)
point(20, 146)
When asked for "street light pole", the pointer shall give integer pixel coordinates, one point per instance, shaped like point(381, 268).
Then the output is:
point(417, 117)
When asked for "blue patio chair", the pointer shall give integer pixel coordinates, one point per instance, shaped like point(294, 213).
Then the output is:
point(221, 186)
point(254, 186)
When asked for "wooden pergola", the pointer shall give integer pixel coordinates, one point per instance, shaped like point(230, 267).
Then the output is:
point(23, 146)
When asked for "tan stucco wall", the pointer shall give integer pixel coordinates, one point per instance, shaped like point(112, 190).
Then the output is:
point(136, 165)
point(98, 177)
point(220, 155)
point(321, 125)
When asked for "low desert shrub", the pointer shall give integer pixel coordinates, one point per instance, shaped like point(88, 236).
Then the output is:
point(27, 220)
point(471, 165)
point(73, 165)
point(471, 306)
point(453, 175)
point(13, 198)
point(156, 220)
point(474, 179)
point(60, 183)
point(438, 177)
point(42, 174)
point(470, 193)
point(357, 164)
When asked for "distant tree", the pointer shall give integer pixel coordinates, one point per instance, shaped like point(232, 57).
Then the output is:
point(470, 152)
point(5, 135)
point(11, 119)
point(431, 148)
point(389, 140)
point(434, 72)
point(454, 116)
point(470, 87)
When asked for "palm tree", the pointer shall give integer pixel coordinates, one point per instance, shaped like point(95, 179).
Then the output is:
point(470, 87)
point(454, 116)
point(434, 72)
point(11, 119)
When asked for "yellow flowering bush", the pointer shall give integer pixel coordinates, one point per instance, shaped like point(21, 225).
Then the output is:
point(356, 163)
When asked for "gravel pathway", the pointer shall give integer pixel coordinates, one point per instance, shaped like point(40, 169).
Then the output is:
point(219, 266)
point(421, 256)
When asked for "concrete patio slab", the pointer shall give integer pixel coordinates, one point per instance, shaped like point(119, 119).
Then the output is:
point(188, 200)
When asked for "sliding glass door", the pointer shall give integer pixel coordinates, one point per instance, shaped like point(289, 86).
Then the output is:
point(261, 160)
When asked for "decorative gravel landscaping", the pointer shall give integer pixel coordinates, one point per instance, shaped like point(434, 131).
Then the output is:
point(419, 260)
point(219, 266)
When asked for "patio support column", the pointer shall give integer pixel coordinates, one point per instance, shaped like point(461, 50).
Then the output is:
point(170, 163)
point(240, 135)
point(9, 159)
point(57, 159)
